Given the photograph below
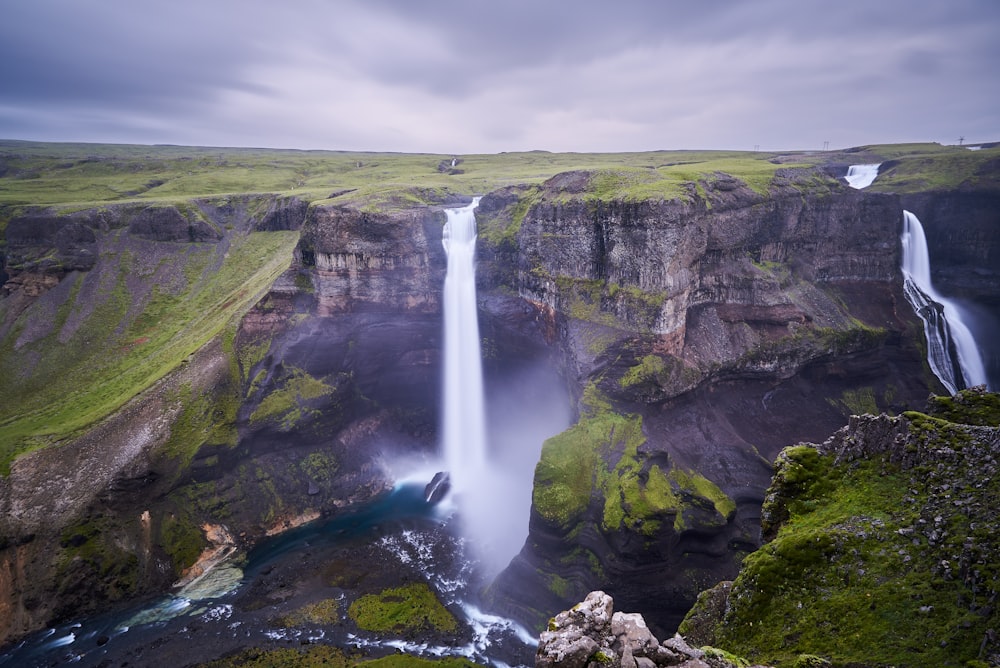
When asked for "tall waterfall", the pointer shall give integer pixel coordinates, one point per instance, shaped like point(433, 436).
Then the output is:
point(951, 349)
point(861, 176)
point(464, 415)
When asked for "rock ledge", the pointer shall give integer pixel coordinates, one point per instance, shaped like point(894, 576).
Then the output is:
point(592, 635)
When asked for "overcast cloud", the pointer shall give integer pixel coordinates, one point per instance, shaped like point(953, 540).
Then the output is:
point(464, 76)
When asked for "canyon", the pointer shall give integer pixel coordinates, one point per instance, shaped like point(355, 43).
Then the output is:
point(669, 346)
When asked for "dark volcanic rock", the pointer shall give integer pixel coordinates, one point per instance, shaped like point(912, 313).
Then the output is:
point(726, 332)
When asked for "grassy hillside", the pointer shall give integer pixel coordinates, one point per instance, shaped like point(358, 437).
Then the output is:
point(100, 337)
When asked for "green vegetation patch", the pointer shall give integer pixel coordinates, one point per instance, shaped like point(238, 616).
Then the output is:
point(565, 474)
point(108, 343)
point(206, 418)
point(288, 404)
point(183, 540)
point(412, 608)
point(973, 406)
point(886, 560)
point(598, 458)
point(95, 550)
point(328, 657)
point(924, 167)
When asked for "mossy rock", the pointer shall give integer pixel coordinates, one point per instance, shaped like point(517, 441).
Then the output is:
point(411, 609)
point(882, 556)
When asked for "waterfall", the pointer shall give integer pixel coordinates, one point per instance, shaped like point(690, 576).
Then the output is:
point(951, 349)
point(861, 176)
point(464, 415)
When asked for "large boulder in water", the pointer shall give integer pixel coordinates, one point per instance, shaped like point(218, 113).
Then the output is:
point(437, 488)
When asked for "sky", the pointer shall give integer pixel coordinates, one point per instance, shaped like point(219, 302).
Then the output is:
point(470, 76)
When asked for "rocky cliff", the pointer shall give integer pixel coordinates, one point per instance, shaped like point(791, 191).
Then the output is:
point(117, 368)
point(311, 392)
point(881, 547)
point(702, 334)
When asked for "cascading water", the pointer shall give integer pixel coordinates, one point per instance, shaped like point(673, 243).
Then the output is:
point(951, 349)
point(861, 176)
point(464, 415)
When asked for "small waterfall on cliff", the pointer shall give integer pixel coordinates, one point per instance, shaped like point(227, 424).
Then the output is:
point(951, 349)
point(464, 415)
point(861, 176)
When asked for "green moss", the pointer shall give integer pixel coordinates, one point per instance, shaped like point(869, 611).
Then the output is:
point(714, 654)
point(320, 466)
point(564, 475)
point(320, 613)
point(858, 402)
point(801, 476)
point(250, 355)
point(874, 563)
point(501, 229)
point(206, 418)
point(301, 657)
point(698, 486)
point(598, 459)
point(810, 661)
point(559, 586)
point(407, 661)
point(95, 549)
point(972, 406)
point(287, 404)
point(182, 540)
point(648, 367)
point(409, 609)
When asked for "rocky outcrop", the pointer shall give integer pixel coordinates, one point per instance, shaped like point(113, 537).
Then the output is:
point(885, 521)
point(374, 261)
point(591, 634)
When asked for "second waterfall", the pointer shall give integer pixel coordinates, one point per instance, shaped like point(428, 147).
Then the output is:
point(464, 414)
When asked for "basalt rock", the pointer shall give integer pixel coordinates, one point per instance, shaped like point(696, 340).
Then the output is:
point(703, 334)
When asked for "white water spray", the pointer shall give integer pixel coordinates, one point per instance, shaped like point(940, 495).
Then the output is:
point(464, 416)
point(861, 176)
point(951, 349)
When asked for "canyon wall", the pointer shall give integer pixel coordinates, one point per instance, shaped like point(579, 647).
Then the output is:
point(701, 335)
point(697, 335)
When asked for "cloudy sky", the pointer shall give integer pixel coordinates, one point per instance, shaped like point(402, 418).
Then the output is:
point(464, 76)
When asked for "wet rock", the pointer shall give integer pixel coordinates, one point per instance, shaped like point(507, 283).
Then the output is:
point(437, 488)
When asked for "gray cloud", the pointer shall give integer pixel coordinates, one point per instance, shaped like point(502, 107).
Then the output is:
point(468, 76)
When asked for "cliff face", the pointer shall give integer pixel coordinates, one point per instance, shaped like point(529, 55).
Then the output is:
point(322, 386)
point(702, 336)
point(115, 372)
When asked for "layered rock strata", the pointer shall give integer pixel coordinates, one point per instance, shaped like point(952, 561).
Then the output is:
point(702, 334)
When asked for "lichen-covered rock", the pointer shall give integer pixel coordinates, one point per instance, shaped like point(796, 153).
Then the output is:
point(589, 635)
